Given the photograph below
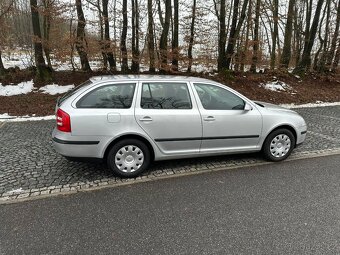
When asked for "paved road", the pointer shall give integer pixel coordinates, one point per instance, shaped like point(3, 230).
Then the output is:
point(286, 208)
point(29, 166)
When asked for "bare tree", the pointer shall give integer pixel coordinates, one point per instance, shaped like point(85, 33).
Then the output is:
point(135, 37)
point(43, 72)
point(163, 43)
point(235, 30)
point(192, 34)
point(256, 37)
point(287, 45)
point(80, 40)
point(275, 33)
point(335, 38)
point(174, 45)
point(107, 42)
point(221, 62)
point(150, 38)
point(305, 61)
point(123, 48)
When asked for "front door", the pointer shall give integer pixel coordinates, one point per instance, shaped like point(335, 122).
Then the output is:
point(226, 125)
point(167, 114)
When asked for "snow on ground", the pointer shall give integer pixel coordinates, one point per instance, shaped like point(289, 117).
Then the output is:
point(8, 118)
point(277, 86)
point(309, 105)
point(55, 89)
point(21, 88)
point(28, 86)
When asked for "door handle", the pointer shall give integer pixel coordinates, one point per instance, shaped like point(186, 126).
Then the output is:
point(209, 118)
point(146, 119)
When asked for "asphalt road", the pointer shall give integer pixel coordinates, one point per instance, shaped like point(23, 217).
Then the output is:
point(284, 208)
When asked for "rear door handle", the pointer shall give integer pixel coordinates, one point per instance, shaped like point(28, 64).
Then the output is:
point(209, 118)
point(146, 119)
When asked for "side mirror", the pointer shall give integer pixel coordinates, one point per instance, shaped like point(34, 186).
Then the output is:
point(248, 107)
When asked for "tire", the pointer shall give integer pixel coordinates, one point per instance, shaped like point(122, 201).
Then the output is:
point(128, 158)
point(278, 145)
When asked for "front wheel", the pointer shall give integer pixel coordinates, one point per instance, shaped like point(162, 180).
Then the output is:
point(128, 158)
point(278, 145)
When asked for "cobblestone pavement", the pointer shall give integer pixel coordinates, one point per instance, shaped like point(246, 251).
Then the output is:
point(29, 166)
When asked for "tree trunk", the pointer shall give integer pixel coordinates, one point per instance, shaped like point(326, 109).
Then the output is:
point(164, 38)
point(192, 34)
point(221, 38)
point(123, 49)
point(107, 42)
point(47, 28)
point(43, 72)
point(334, 39)
point(336, 58)
point(135, 37)
point(235, 30)
point(2, 67)
point(151, 43)
point(256, 38)
point(275, 33)
point(85, 66)
point(246, 44)
point(305, 61)
point(321, 64)
point(174, 45)
point(287, 45)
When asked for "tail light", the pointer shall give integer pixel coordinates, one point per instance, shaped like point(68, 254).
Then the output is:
point(63, 121)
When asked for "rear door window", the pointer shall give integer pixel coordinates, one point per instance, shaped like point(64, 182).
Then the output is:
point(165, 96)
point(118, 96)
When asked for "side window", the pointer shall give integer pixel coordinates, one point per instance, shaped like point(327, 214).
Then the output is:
point(109, 96)
point(165, 96)
point(216, 98)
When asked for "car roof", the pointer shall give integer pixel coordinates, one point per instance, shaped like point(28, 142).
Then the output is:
point(149, 77)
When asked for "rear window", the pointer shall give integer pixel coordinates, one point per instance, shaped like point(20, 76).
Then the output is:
point(73, 91)
point(116, 96)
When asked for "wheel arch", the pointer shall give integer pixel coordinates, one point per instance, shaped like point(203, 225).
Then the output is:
point(284, 126)
point(130, 136)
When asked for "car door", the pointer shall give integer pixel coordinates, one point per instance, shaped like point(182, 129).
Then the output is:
point(167, 113)
point(227, 126)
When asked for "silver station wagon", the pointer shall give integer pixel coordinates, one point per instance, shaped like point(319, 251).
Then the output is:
point(129, 121)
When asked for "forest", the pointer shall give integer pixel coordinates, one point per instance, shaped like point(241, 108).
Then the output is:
point(171, 36)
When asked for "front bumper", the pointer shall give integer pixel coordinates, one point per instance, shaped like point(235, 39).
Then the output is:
point(301, 135)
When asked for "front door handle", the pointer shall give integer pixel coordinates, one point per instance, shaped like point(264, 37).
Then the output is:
point(146, 119)
point(209, 118)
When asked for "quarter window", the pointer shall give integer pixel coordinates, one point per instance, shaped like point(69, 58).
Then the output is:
point(216, 98)
point(165, 96)
point(116, 96)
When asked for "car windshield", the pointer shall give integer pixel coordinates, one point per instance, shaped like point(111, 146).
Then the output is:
point(73, 91)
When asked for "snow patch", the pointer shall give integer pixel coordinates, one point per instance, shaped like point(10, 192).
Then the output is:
point(309, 105)
point(277, 86)
point(8, 118)
point(12, 90)
point(55, 89)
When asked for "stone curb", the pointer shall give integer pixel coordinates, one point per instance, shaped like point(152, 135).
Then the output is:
point(32, 194)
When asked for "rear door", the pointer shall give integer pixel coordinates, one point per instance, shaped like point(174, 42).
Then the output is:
point(167, 113)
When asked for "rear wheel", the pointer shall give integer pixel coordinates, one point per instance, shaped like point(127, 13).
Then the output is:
point(128, 158)
point(278, 145)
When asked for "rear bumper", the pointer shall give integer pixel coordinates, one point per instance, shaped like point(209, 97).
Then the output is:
point(76, 147)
